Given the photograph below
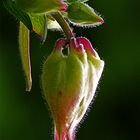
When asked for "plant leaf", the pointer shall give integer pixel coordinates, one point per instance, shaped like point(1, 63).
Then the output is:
point(72, 1)
point(53, 24)
point(39, 23)
point(18, 13)
point(24, 47)
point(83, 15)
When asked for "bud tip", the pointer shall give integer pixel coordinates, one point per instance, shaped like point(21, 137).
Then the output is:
point(64, 7)
point(101, 20)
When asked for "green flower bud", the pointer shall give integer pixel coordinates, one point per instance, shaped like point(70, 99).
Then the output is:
point(69, 84)
point(41, 6)
point(81, 14)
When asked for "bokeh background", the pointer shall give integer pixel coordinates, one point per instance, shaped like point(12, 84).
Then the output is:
point(115, 113)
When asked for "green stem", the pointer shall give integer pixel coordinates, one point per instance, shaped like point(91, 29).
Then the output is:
point(64, 25)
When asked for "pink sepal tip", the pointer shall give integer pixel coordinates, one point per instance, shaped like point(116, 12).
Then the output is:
point(87, 45)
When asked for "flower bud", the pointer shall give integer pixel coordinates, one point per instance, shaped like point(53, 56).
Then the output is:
point(81, 14)
point(69, 83)
point(41, 6)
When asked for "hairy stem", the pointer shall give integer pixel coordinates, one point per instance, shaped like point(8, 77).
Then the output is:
point(64, 25)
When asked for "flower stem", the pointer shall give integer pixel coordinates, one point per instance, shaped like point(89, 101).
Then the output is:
point(64, 25)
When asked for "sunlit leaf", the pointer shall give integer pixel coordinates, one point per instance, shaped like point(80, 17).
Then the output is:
point(24, 47)
point(72, 1)
point(39, 23)
point(53, 24)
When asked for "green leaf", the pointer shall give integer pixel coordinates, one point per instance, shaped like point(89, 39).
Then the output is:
point(72, 1)
point(18, 13)
point(39, 23)
point(83, 15)
point(24, 47)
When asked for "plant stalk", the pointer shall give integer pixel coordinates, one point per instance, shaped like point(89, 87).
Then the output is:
point(64, 25)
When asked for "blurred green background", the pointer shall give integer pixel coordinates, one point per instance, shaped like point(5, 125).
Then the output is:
point(115, 114)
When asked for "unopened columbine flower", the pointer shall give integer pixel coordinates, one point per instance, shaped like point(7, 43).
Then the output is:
point(69, 83)
point(41, 6)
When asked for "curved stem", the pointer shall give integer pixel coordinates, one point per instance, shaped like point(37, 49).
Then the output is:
point(64, 25)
